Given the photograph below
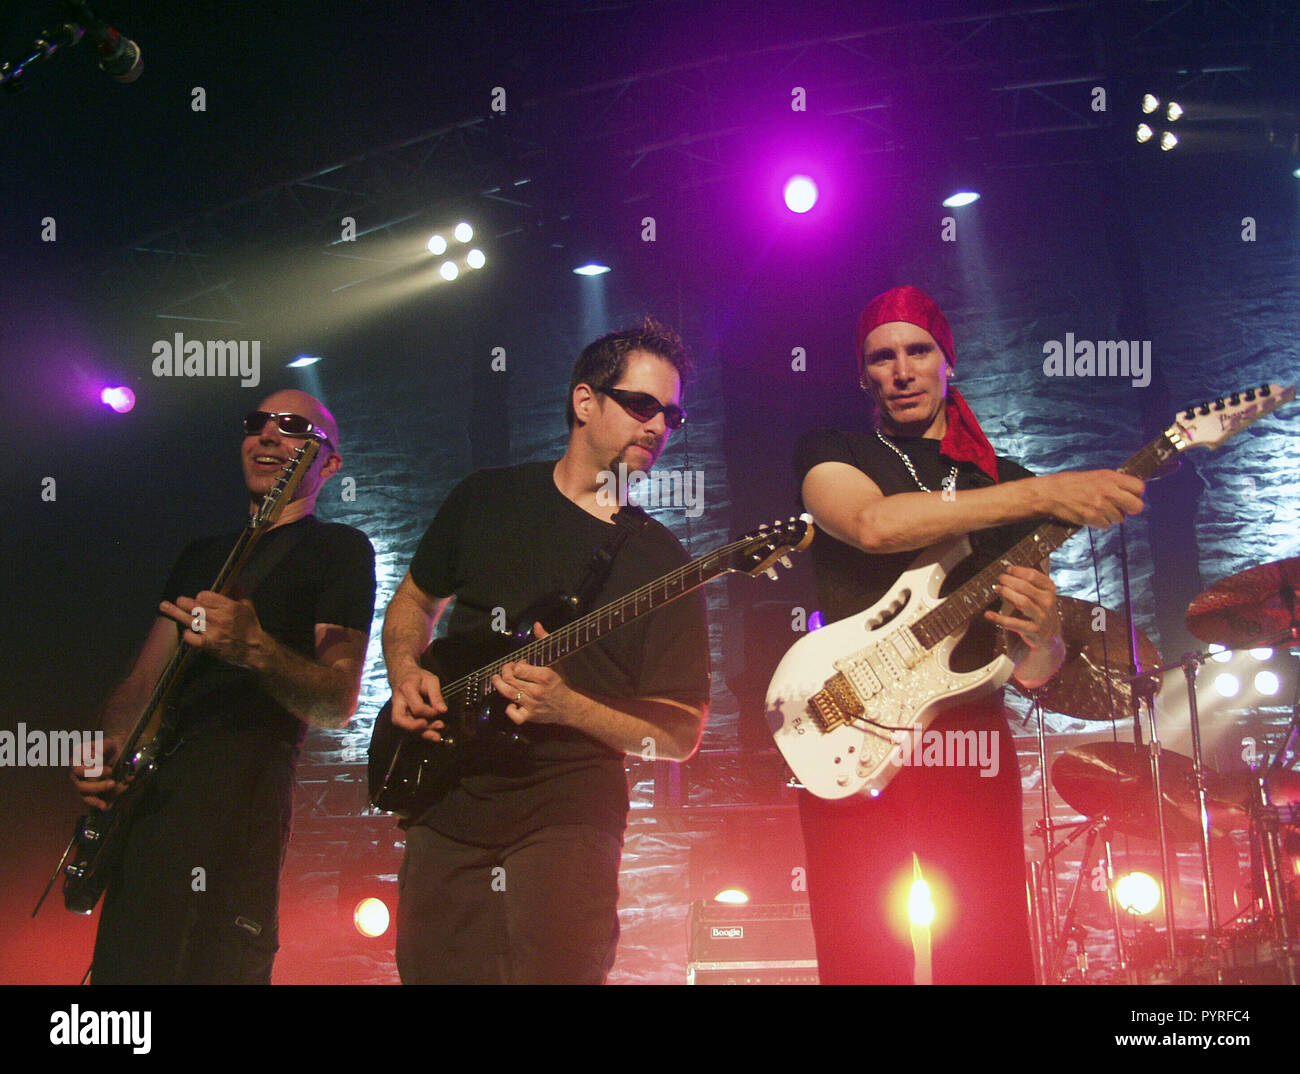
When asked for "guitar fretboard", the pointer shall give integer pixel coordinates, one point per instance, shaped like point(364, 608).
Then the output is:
point(594, 625)
point(978, 593)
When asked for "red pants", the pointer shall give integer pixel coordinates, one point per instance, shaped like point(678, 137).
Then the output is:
point(967, 830)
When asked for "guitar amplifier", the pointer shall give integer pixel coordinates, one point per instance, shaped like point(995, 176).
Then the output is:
point(751, 944)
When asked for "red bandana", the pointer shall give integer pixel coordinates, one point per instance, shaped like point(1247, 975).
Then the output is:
point(965, 440)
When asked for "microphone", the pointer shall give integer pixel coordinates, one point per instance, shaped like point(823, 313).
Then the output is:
point(119, 57)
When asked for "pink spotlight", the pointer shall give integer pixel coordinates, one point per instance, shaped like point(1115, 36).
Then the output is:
point(119, 399)
point(800, 193)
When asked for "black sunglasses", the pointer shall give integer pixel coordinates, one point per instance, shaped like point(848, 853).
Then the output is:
point(644, 406)
point(288, 424)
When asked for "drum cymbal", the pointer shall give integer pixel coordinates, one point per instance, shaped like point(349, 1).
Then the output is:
point(1091, 684)
point(1115, 778)
point(1239, 788)
point(1253, 607)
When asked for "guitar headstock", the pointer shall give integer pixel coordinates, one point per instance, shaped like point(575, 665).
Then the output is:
point(759, 551)
point(282, 491)
point(1209, 424)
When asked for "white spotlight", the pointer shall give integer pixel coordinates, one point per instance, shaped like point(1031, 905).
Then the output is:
point(304, 360)
point(1168, 141)
point(1267, 683)
point(1137, 893)
point(448, 270)
point(463, 232)
point(591, 268)
point(1219, 654)
point(1173, 111)
point(1150, 102)
point(1144, 133)
point(437, 245)
point(1227, 685)
point(962, 197)
point(475, 259)
point(1262, 654)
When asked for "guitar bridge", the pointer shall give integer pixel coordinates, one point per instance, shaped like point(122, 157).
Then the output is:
point(835, 704)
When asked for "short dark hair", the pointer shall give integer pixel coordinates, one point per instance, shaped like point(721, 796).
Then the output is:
point(603, 362)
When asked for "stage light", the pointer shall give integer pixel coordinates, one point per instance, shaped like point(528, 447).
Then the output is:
point(371, 917)
point(475, 259)
point(463, 232)
point(1262, 654)
point(1137, 893)
point(800, 193)
point(1144, 133)
point(816, 621)
point(1227, 685)
point(591, 268)
point(437, 245)
point(448, 270)
point(920, 908)
point(1296, 173)
point(1173, 111)
point(1150, 102)
point(120, 399)
point(1267, 683)
point(962, 197)
point(304, 360)
point(1219, 654)
point(733, 896)
point(1168, 141)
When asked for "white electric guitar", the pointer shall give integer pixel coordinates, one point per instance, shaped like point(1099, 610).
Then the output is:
point(843, 698)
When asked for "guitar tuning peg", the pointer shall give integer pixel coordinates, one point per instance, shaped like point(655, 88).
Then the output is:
point(785, 562)
point(771, 573)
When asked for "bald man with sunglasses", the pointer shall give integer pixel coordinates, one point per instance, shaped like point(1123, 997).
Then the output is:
point(194, 897)
point(511, 877)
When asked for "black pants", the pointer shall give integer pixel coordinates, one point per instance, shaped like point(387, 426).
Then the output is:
point(542, 911)
point(194, 897)
point(967, 831)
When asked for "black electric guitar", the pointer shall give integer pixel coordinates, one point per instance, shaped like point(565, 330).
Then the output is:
point(408, 773)
point(842, 698)
point(99, 835)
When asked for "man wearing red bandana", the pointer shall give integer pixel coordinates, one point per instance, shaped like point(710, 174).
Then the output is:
point(924, 474)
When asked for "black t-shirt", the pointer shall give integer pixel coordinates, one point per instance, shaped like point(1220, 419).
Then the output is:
point(850, 581)
point(328, 576)
point(504, 539)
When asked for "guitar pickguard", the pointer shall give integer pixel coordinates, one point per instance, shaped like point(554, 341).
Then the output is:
point(844, 697)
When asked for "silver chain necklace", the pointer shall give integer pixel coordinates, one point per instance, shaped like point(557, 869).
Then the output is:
point(949, 482)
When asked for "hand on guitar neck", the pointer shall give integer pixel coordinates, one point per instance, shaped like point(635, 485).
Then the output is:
point(1097, 498)
point(851, 507)
point(93, 776)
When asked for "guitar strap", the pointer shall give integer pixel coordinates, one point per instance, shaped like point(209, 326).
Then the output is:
point(260, 569)
point(629, 520)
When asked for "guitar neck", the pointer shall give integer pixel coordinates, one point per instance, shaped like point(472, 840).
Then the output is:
point(978, 593)
point(594, 625)
point(224, 582)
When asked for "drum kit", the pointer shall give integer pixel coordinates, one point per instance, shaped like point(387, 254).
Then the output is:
point(1142, 790)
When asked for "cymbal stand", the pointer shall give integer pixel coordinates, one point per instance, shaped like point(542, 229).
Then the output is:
point(1047, 827)
point(1145, 686)
point(1096, 827)
point(1265, 827)
point(1190, 663)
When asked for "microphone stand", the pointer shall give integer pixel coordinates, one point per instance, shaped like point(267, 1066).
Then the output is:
point(46, 45)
